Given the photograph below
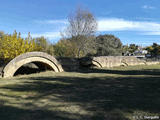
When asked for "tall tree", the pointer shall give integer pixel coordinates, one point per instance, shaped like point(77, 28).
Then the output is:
point(82, 25)
point(108, 45)
point(65, 48)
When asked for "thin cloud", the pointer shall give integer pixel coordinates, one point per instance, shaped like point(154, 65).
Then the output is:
point(152, 33)
point(148, 7)
point(112, 24)
point(49, 35)
point(51, 21)
point(115, 24)
point(108, 24)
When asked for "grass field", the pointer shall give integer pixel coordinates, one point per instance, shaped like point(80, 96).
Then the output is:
point(122, 93)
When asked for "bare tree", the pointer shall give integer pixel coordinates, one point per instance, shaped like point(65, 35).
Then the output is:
point(82, 27)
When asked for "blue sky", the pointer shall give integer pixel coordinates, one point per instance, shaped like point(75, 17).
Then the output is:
point(133, 21)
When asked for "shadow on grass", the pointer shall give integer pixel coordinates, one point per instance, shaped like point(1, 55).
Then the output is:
point(122, 72)
point(14, 113)
point(101, 96)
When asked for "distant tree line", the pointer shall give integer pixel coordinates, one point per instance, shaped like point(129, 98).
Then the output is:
point(12, 45)
point(154, 50)
point(129, 49)
point(102, 45)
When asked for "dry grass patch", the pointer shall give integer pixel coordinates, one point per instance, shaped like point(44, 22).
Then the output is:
point(94, 94)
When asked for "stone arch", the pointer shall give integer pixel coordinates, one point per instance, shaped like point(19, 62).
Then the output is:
point(29, 57)
point(124, 64)
point(96, 63)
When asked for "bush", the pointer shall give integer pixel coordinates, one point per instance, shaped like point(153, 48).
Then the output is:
point(13, 45)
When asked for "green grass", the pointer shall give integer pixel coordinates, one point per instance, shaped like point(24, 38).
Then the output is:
point(99, 94)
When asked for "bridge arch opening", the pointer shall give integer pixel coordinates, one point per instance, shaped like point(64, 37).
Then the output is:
point(33, 67)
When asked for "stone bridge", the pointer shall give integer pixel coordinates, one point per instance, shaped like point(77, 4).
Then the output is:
point(114, 61)
point(40, 59)
point(47, 62)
